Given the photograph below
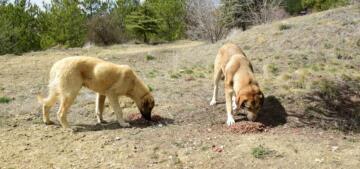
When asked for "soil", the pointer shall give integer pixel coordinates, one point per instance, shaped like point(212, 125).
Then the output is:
point(186, 131)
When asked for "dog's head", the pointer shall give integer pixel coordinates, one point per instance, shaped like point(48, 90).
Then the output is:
point(251, 100)
point(146, 106)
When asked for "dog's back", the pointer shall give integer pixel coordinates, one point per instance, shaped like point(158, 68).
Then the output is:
point(91, 72)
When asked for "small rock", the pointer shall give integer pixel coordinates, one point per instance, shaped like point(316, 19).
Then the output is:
point(334, 148)
point(319, 160)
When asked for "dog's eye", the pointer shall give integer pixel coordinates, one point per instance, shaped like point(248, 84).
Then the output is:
point(243, 105)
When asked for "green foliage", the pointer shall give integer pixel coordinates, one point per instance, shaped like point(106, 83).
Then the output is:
point(4, 100)
point(19, 28)
point(151, 88)
point(235, 13)
point(171, 15)
point(143, 22)
point(93, 7)
point(284, 27)
point(295, 6)
point(149, 57)
point(63, 24)
point(320, 5)
point(260, 152)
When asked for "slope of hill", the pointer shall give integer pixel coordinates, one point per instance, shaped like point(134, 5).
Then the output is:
point(307, 66)
point(312, 63)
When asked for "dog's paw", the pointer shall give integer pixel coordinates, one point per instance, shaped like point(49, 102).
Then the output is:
point(212, 102)
point(102, 122)
point(230, 121)
point(49, 122)
point(124, 124)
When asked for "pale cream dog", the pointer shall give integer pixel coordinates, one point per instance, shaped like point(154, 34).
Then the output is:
point(241, 88)
point(68, 75)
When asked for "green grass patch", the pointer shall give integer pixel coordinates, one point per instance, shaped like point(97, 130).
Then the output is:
point(151, 88)
point(284, 27)
point(149, 57)
point(175, 75)
point(152, 74)
point(261, 152)
point(5, 99)
point(273, 69)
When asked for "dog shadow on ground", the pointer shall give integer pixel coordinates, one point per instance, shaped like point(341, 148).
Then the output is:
point(114, 125)
point(272, 113)
point(336, 106)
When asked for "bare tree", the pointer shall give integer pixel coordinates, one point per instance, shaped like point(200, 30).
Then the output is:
point(203, 20)
point(265, 11)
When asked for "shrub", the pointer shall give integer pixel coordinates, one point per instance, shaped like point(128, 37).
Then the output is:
point(19, 27)
point(260, 152)
point(4, 100)
point(284, 27)
point(105, 30)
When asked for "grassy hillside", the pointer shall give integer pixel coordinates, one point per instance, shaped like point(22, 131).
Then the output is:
point(312, 63)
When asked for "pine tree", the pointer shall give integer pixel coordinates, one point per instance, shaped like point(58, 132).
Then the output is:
point(237, 13)
point(64, 24)
point(171, 14)
point(19, 27)
point(143, 22)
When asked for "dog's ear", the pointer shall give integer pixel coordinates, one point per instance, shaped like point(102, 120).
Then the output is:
point(241, 100)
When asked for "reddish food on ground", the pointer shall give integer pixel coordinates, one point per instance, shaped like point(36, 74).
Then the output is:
point(138, 117)
point(218, 149)
point(247, 127)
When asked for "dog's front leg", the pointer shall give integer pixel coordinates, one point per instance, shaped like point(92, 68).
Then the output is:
point(99, 109)
point(217, 76)
point(234, 106)
point(228, 94)
point(114, 102)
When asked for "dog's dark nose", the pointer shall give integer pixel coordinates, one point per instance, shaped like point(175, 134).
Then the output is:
point(146, 116)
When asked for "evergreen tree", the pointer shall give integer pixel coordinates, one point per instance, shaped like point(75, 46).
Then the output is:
point(171, 14)
point(64, 24)
point(238, 13)
point(143, 22)
point(19, 27)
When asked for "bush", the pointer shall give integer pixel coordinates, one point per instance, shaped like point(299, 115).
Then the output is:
point(260, 152)
point(63, 24)
point(4, 100)
point(105, 30)
point(296, 6)
point(19, 28)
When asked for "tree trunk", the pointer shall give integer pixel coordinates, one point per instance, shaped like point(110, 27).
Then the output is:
point(146, 40)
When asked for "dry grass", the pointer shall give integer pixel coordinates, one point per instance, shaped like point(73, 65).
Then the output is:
point(299, 54)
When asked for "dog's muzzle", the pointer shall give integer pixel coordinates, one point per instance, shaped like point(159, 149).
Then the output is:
point(146, 115)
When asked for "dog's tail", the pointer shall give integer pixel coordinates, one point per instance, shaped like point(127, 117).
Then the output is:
point(50, 100)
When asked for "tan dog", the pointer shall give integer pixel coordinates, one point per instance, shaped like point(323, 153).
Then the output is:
point(68, 75)
point(241, 89)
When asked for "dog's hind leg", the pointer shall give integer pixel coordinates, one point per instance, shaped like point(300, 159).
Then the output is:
point(217, 77)
point(66, 101)
point(114, 103)
point(47, 103)
point(99, 109)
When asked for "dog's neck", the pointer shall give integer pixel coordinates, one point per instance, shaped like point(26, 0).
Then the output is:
point(138, 92)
